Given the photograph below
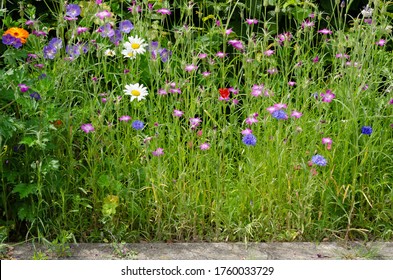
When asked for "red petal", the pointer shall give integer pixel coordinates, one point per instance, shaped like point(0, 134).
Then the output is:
point(224, 92)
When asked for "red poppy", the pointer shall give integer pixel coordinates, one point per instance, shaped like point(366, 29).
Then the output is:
point(224, 92)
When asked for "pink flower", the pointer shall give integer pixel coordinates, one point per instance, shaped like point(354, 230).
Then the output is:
point(195, 122)
point(251, 21)
point(206, 73)
point(268, 52)
point(236, 44)
point(177, 113)
point(272, 71)
point(88, 127)
point(80, 30)
point(164, 11)
point(162, 91)
point(307, 24)
point(246, 131)
point(103, 14)
point(228, 31)
point(124, 118)
point(315, 59)
point(296, 114)
point(205, 146)
point(158, 152)
point(250, 120)
point(328, 142)
point(328, 96)
point(291, 83)
point(220, 54)
point(190, 67)
point(280, 106)
point(202, 55)
point(325, 31)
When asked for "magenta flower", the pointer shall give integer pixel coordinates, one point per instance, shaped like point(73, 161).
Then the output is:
point(251, 21)
point(391, 101)
point(269, 52)
point(272, 71)
point(328, 96)
point(205, 146)
point(164, 11)
point(280, 106)
point(202, 55)
point(325, 31)
point(190, 67)
point(88, 127)
point(206, 73)
point(236, 44)
point(328, 142)
point(381, 42)
point(23, 87)
point(177, 113)
point(315, 59)
point(158, 152)
point(307, 24)
point(296, 114)
point(81, 30)
point(162, 91)
point(220, 54)
point(250, 120)
point(124, 118)
point(291, 83)
point(228, 31)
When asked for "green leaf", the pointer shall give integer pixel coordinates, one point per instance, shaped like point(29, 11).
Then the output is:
point(24, 190)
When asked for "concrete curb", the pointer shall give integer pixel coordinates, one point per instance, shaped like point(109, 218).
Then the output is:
point(203, 251)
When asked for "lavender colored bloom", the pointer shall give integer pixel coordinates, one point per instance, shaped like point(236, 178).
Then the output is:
point(72, 11)
point(126, 26)
point(246, 131)
point(195, 122)
point(296, 114)
point(280, 115)
point(319, 160)
point(56, 43)
point(236, 44)
point(250, 21)
point(103, 14)
point(106, 30)
point(88, 127)
point(137, 125)
point(190, 67)
point(35, 96)
point(177, 113)
point(269, 52)
point(367, 130)
point(250, 120)
point(164, 54)
point(164, 11)
point(328, 96)
point(8, 39)
point(158, 152)
point(81, 30)
point(325, 31)
point(116, 37)
point(249, 140)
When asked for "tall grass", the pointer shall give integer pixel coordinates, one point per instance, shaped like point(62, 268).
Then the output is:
point(61, 183)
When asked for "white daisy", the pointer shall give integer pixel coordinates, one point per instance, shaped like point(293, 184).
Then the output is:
point(136, 91)
point(129, 53)
point(136, 44)
point(109, 52)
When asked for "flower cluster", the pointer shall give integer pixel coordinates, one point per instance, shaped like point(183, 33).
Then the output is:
point(15, 37)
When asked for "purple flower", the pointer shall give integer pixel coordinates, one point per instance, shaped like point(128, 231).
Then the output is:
point(164, 54)
point(81, 30)
point(205, 146)
point(72, 11)
point(10, 40)
point(195, 122)
point(328, 96)
point(249, 140)
point(56, 43)
point(319, 160)
point(381, 42)
point(164, 11)
point(124, 118)
point(280, 115)
point(236, 44)
point(367, 130)
point(137, 125)
point(158, 152)
point(88, 127)
point(307, 24)
point(391, 101)
point(35, 96)
point(23, 87)
point(272, 71)
point(116, 37)
point(296, 114)
point(315, 59)
point(106, 30)
point(126, 26)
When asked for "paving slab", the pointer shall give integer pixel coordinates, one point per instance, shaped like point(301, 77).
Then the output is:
point(202, 251)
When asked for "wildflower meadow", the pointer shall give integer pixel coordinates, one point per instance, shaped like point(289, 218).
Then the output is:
point(220, 120)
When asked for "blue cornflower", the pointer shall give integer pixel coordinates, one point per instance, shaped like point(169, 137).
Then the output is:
point(126, 26)
point(249, 140)
point(280, 115)
point(57, 43)
point(367, 130)
point(137, 125)
point(319, 160)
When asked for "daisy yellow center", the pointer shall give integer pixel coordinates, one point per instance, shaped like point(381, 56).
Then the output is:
point(130, 54)
point(135, 46)
point(135, 92)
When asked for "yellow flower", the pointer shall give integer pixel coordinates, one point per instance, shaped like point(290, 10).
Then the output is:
point(19, 33)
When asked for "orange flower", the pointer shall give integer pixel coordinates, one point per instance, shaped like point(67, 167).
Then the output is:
point(19, 33)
